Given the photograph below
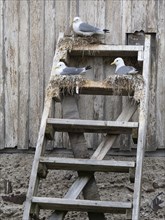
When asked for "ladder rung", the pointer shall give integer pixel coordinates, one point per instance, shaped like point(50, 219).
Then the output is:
point(73, 125)
point(87, 164)
point(82, 205)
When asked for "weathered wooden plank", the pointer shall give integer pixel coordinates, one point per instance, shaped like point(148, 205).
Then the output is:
point(126, 19)
point(36, 69)
point(143, 119)
point(151, 19)
point(99, 154)
point(109, 140)
point(60, 25)
point(86, 164)
point(60, 17)
point(49, 38)
point(139, 18)
point(60, 54)
point(106, 50)
point(113, 10)
point(102, 88)
point(11, 74)
point(73, 125)
point(160, 88)
point(23, 87)
point(2, 97)
point(33, 183)
point(80, 150)
point(113, 104)
point(82, 205)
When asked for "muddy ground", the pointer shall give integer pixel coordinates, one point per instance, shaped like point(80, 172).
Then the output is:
point(14, 178)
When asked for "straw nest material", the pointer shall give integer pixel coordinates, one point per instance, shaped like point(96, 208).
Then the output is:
point(131, 83)
point(72, 84)
point(65, 85)
point(70, 42)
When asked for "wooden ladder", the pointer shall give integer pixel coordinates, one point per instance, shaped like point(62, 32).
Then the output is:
point(87, 166)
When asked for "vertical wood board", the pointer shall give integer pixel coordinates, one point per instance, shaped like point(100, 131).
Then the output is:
point(2, 100)
point(23, 71)
point(11, 73)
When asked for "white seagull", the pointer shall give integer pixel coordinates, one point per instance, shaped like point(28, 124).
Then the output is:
point(122, 69)
point(85, 29)
point(62, 69)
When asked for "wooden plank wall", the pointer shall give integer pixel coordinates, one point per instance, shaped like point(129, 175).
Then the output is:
point(28, 35)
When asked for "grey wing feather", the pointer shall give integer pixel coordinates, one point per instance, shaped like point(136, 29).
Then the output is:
point(125, 70)
point(88, 28)
point(71, 71)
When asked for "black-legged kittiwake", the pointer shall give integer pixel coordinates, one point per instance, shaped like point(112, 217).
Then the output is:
point(122, 69)
point(62, 69)
point(85, 29)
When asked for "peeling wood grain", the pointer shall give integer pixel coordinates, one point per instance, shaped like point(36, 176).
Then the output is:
point(11, 73)
point(23, 71)
point(160, 92)
point(2, 98)
point(36, 70)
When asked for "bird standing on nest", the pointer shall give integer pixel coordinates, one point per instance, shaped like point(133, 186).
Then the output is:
point(122, 69)
point(85, 29)
point(62, 69)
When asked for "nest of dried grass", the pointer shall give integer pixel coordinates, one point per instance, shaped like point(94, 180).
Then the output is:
point(131, 83)
point(70, 42)
point(65, 85)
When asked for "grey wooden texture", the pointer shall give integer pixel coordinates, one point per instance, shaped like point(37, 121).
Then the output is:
point(2, 97)
point(78, 126)
point(142, 132)
point(82, 205)
point(30, 29)
point(33, 183)
point(23, 72)
point(99, 154)
point(86, 164)
point(80, 150)
point(11, 73)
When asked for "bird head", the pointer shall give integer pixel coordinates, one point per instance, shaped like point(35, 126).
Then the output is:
point(76, 20)
point(59, 67)
point(118, 62)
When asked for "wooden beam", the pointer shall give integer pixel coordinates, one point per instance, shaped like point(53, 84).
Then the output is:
point(99, 154)
point(82, 205)
point(87, 164)
point(91, 87)
point(80, 150)
point(73, 125)
point(143, 118)
point(106, 50)
point(34, 180)
point(39, 150)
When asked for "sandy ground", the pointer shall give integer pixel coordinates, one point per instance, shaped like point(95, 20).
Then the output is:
point(15, 170)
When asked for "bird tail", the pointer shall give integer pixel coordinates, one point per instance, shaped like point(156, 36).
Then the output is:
point(88, 67)
point(106, 31)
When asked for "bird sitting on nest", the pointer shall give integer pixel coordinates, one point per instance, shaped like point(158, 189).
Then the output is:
point(62, 69)
point(85, 29)
point(122, 69)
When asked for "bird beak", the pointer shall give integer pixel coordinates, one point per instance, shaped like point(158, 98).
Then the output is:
point(113, 63)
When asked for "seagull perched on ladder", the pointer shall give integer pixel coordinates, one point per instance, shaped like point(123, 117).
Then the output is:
point(122, 69)
point(62, 69)
point(85, 29)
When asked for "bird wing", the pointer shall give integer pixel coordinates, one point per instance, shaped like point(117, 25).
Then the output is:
point(71, 71)
point(84, 27)
point(125, 70)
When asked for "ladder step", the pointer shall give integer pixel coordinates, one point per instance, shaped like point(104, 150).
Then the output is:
point(87, 164)
point(73, 125)
point(82, 205)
